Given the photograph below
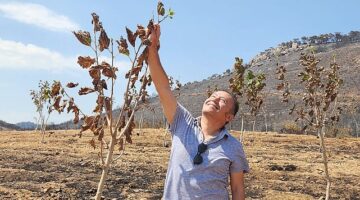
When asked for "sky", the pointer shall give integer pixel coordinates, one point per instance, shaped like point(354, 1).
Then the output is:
point(36, 40)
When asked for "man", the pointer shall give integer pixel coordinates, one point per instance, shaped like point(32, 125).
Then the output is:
point(203, 153)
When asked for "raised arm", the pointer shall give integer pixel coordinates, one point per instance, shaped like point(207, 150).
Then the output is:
point(159, 77)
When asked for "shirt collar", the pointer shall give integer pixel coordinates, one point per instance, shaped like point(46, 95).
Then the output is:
point(223, 133)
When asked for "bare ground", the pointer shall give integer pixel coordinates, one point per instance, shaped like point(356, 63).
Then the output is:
point(67, 167)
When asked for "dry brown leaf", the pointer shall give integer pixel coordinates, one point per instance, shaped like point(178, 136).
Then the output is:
point(135, 71)
point(83, 37)
point(76, 113)
point(96, 23)
point(85, 62)
point(131, 36)
point(99, 104)
point(55, 89)
point(103, 84)
point(95, 73)
point(104, 41)
point(123, 46)
point(141, 31)
point(90, 122)
point(108, 72)
point(160, 9)
point(85, 91)
point(70, 105)
point(56, 104)
point(72, 85)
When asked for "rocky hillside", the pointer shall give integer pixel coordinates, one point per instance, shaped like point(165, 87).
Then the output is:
point(193, 94)
point(4, 126)
point(26, 125)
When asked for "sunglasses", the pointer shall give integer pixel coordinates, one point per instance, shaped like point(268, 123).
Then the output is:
point(198, 159)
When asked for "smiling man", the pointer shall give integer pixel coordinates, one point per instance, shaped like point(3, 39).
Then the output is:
point(203, 154)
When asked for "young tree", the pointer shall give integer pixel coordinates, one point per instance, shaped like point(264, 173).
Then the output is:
point(250, 85)
point(318, 107)
point(103, 75)
point(42, 100)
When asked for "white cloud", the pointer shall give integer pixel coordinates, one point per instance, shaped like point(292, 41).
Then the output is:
point(39, 15)
point(16, 55)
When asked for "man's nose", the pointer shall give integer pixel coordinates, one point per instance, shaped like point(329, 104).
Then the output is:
point(217, 99)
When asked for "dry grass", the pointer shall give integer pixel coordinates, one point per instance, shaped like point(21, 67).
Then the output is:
point(66, 167)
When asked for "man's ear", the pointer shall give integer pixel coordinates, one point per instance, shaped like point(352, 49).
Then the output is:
point(229, 117)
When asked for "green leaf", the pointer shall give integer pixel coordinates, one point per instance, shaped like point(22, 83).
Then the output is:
point(171, 13)
point(250, 75)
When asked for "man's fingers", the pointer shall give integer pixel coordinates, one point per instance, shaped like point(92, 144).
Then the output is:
point(157, 29)
point(155, 35)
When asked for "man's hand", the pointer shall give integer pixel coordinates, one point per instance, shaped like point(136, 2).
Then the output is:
point(154, 37)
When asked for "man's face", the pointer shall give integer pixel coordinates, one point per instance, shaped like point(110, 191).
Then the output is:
point(219, 105)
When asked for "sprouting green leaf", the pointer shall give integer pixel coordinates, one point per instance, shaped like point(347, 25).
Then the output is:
point(171, 13)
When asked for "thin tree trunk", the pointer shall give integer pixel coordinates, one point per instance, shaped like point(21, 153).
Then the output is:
point(356, 126)
point(153, 121)
point(43, 127)
point(141, 122)
point(37, 121)
point(266, 126)
point(242, 124)
point(164, 121)
point(43, 130)
point(254, 125)
point(242, 136)
point(106, 168)
point(242, 129)
point(321, 133)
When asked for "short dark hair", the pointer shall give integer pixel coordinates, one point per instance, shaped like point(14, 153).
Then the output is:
point(235, 107)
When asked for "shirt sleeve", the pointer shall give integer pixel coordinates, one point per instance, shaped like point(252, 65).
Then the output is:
point(182, 119)
point(239, 162)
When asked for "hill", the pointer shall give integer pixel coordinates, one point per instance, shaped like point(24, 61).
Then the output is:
point(275, 113)
point(26, 125)
point(4, 126)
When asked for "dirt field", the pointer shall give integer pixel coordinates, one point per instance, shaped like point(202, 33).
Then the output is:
point(66, 167)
